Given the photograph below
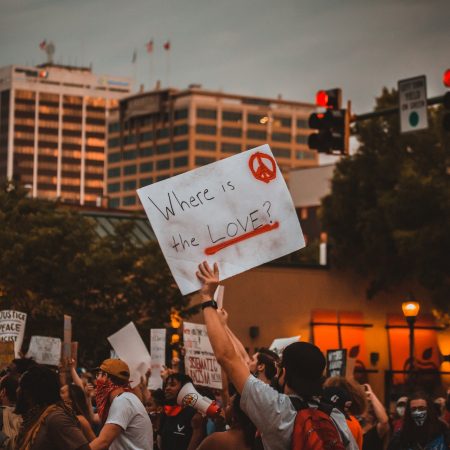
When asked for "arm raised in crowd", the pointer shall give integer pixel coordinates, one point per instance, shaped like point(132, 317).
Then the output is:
point(379, 411)
point(221, 342)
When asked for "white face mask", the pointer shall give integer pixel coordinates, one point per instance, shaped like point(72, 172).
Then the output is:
point(401, 411)
point(419, 417)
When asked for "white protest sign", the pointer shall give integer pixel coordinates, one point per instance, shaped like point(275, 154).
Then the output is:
point(237, 212)
point(218, 295)
point(158, 354)
point(12, 328)
point(130, 347)
point(199, 360)
point(278, 345)
point(45, 350)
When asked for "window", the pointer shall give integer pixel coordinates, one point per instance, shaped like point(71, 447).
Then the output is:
point(129, 155)
point(257, 118)
point(113, 127)
point(163, 164)
point(282, 152)
point(180, 129)
point(231, 132)
point(300, 154)
point(302, 123)
point(130, 139)
point(147, 151)
point(231, 116)
point(161, 149)
point(203, 160)
point(205, 145)
point(114, 202)
point(180, 145)
point(255, 134)
point(207, 113)
point(283, 121)
point(129, 185)
point(162, 133)
point(129, 201)
point(229, 147)
point(130, 170)
point(114, 187)
point(181, 114)
point(113, 173)
point(206, 129)
point(146, 181)
point(113, 142)
point(146, 167)
point(281, 137)
point(162, 177)
point(147, 136)
point(114, 157)
point(301, 139)
point(180, 161)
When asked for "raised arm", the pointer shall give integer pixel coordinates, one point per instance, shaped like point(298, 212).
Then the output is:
point(379, 411)
point(221, 342)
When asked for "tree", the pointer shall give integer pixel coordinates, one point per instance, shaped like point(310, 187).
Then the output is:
point(53, 263)
point(388, 214)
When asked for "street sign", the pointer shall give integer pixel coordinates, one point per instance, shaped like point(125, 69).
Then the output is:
point(412, 97)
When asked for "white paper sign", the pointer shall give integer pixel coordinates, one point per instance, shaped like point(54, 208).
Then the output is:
point(158, 354)
point(199, 361)
point(278, 345)
point(130, 347)
point(12, 328)
point(45, 350)
point(218, 295)
point(237, 212)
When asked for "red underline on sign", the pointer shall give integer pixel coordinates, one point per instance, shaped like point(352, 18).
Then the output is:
point(264, 229)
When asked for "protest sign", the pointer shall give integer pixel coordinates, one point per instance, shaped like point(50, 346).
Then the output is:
point(278, 345)
point(130, 347)
point(237, 212)
point(67, 343)
point(199, 360)
point(336, 363)
point(218, 295)
point(6, 354)
point(12, 328)
point(158, 354)
point(45, 350)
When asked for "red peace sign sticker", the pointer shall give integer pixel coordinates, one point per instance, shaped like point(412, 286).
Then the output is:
point(263, 167)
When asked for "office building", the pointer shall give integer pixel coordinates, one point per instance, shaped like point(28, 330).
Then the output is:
point(162, 133)
point(53, 129)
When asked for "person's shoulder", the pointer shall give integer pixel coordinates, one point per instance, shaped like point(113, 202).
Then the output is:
point(61, 417)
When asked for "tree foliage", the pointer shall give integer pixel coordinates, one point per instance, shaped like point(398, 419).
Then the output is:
point(53, 263)
point(388, 214)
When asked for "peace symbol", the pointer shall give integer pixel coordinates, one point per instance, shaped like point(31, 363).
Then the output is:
point(259, 168)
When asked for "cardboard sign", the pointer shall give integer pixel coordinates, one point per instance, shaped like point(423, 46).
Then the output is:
point(336, 363)
point(278, 345)
point(237, 212)
point(12, 328)
point(130, 347)
point(45, 350)
point(158, 354)
point(199, 360)
point(67, 343)
point(6, 354)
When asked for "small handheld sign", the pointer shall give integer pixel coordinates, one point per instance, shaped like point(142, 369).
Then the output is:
point(336, 363)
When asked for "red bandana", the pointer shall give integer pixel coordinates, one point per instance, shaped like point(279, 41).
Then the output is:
point(103, 391)
point(171, 411)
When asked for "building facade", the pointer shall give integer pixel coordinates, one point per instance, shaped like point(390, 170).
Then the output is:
point(53, 129)
point(159, 134)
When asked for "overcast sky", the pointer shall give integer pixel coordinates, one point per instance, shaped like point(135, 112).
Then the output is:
point(254, 47)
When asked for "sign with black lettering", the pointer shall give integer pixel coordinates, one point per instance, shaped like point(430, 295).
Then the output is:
point(237, 212)
point(412, 97)
point(336, 363)
point(12, 328)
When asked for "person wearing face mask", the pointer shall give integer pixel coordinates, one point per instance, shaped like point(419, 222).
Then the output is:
point(399, 414)
point(422, 428)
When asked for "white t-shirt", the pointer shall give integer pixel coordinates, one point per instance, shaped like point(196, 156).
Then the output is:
point(129, 413)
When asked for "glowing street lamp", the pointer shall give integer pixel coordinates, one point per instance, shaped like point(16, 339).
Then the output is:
point(410, 311)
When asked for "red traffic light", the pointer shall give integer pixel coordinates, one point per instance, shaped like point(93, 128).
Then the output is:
point(446, 78)
point(322, 99)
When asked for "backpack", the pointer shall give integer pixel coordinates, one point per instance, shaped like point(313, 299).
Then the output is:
point(314, 429)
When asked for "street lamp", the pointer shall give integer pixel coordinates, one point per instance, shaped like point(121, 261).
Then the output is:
point(410, 311)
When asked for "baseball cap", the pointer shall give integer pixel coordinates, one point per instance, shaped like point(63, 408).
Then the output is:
point(116, 368)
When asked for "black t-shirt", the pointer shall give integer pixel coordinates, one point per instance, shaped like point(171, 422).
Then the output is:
point(176, 431)
point(371, 440)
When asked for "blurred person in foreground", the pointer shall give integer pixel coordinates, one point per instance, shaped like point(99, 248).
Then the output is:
point(10, 421)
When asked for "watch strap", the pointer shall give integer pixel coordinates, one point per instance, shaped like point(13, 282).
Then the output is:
point(209, 303)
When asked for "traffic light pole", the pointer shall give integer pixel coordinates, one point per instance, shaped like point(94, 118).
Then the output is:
point(389, 111)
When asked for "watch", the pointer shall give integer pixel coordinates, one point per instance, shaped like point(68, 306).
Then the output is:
point(209, 303)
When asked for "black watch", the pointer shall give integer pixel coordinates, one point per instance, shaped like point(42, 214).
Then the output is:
point(209, 303)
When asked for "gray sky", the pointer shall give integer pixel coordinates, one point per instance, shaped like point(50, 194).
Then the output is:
point(255, 47)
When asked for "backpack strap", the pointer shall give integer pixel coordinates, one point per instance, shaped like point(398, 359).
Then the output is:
point(298, 403)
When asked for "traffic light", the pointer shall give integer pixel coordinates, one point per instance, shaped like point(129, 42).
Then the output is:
point(174, 337)
point(446, 103)
point(332, 124)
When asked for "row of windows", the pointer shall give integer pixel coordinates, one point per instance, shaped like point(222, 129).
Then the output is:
point(147, 151)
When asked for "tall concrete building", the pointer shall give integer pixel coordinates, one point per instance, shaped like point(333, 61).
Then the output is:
point(53, 129)
point(162, 133)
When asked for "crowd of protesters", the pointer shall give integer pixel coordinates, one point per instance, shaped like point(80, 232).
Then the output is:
point(268, 402)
